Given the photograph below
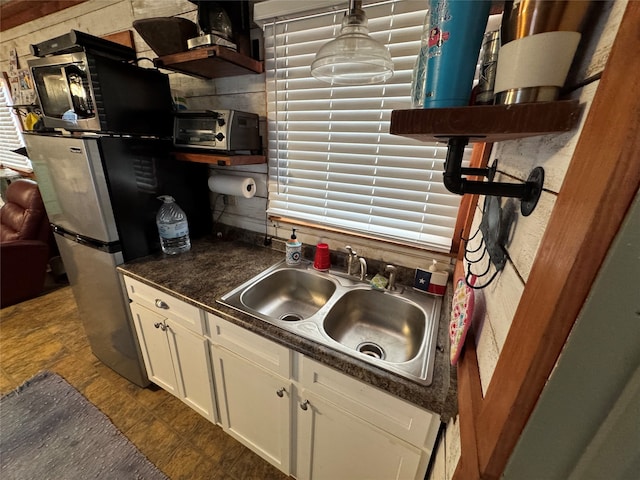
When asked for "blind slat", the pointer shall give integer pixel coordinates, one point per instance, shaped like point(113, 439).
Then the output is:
point(10, 135)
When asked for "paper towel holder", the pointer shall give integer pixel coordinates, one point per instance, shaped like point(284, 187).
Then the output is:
point(528, 192)
point(233, 185)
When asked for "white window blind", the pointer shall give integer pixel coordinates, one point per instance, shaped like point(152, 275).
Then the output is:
point(331, 158)
point(10, 136)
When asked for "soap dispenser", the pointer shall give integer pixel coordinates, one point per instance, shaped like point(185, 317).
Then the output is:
point(438, 280)
point(293, 254)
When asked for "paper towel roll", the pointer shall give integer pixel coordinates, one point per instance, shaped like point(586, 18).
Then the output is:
point(233, 185)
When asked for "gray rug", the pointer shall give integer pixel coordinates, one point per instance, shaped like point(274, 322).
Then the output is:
point(48, 430)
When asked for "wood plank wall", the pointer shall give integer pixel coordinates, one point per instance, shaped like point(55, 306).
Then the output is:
point(501, 300)
point(109, 17)
point(515, 162)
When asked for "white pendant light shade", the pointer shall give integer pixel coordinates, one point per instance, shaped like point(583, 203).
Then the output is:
point(353, 57)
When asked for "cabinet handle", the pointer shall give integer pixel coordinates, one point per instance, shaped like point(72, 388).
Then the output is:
point(160, 325)
point(280, 392)
point(161, 304)
point(304, 405)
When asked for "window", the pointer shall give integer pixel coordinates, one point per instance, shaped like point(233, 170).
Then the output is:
point(332, 161)
point(10, 134)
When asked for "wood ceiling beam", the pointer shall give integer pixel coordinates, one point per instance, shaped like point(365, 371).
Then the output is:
point(18, 12)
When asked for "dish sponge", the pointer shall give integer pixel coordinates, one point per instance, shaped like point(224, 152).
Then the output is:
point(379, 282)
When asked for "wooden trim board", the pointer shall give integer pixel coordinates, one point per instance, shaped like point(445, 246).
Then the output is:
point(486, 123)
point(219, 159)
point(17, 12)
point(479, 159)
point(210, 62)
point(124, 37)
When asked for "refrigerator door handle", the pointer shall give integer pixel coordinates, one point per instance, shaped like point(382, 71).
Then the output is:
point(107, 247)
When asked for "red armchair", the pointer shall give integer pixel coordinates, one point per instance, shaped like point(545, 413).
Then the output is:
point(26, 242)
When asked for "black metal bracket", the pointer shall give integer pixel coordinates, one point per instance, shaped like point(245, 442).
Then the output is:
point(528, 192)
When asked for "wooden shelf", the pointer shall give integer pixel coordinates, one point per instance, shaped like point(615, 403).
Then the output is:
point(486, 123)
point(219, 159)
point(210, 62)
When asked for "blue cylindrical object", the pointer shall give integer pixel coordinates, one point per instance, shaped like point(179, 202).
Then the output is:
point(455, 37)
point(419, 77)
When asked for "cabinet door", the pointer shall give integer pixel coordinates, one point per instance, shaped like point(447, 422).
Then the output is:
point(398, 417)
point(254, 406)
point(151, 331)
point(190, 354)
point(334, 445)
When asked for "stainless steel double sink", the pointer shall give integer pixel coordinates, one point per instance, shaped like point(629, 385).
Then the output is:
point(394, 330)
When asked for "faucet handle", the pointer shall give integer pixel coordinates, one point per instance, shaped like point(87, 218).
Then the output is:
point(363, 268)
point(392, 270)
point(352, 256)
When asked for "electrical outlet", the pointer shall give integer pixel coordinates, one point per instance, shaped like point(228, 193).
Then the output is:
point(229, 200)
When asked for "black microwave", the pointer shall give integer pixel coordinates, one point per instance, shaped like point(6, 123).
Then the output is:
point(85, 91)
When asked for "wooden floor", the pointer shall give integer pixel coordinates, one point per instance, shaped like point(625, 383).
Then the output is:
point(45, 334)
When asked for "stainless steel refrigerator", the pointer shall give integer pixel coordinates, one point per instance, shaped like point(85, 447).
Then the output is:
point(100, 193)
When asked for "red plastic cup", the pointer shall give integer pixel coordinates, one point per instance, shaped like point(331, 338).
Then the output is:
point(322, 260)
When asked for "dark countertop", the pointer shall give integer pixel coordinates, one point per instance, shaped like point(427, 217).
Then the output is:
point(212, 268)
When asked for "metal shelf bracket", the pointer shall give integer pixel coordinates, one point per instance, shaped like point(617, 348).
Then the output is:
point(528, 192)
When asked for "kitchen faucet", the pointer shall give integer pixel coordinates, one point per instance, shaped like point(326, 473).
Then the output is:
point(353, 258)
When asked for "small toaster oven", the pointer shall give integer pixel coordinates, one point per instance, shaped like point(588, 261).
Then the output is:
point(221, 130)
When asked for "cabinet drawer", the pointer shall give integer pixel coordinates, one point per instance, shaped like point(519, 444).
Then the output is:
point(394, 415)
point(259, 350)
point(164, 304)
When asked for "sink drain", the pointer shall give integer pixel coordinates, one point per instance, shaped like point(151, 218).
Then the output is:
point(291, 317)
point(371, 349)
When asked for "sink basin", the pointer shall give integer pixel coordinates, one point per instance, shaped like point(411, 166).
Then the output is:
point(396, 332)
point(289, 294)
point(377, 324)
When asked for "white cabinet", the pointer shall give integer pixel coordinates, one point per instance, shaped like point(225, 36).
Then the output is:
point(305, 418)
point(154, 344)
point(347, 429)
point(335, 444)
point(174, 349)
point(254, 391)
point(190, 353)
point(310, 420)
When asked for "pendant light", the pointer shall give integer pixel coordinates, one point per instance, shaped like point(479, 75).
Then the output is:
point(353, 57)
